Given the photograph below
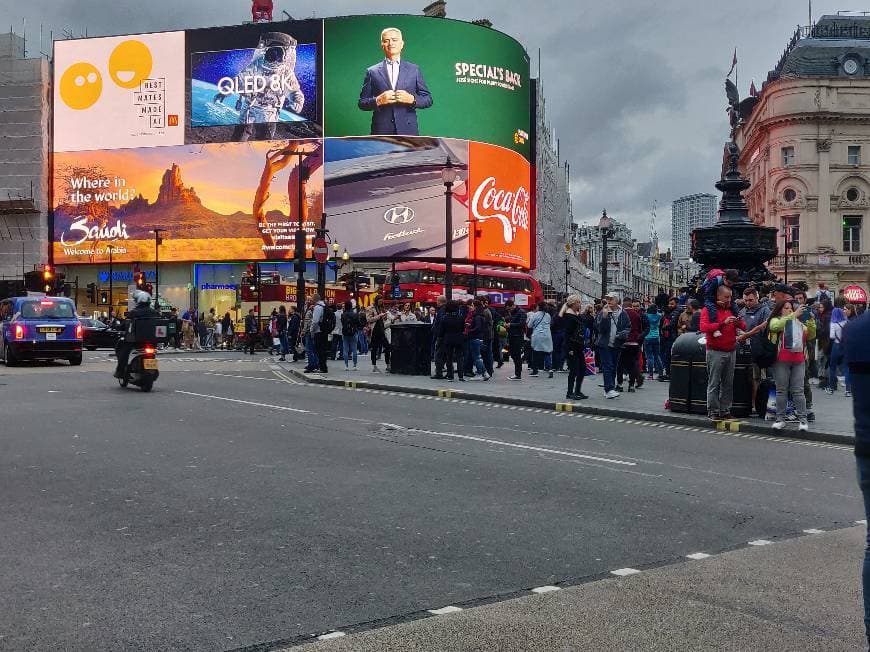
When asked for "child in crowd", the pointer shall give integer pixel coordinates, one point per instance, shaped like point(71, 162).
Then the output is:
point(714, 279)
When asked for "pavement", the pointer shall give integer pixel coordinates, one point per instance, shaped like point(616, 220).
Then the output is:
point(834, 420)
point(802, 594)
point(238, 508)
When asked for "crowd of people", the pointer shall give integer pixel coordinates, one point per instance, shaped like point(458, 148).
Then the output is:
point(791, 337)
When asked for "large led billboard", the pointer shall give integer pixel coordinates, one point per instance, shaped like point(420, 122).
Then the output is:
point(201, 134)
point(454, 79)
point(120, 91)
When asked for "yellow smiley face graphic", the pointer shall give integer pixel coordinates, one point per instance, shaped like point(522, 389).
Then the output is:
point(81, 85)
point(130, 64)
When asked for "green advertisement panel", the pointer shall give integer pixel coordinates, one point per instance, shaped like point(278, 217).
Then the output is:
point(425, 77)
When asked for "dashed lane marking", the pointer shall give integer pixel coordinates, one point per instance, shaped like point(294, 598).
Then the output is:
point(761, 542)
point(237, 400)
point(698, 555)
point(861, 522)
point(445, 610)
point(546, 589)
point(813, 530)
point(497, 442)
point(212, 373)
point(624, 572)
point(330, 636)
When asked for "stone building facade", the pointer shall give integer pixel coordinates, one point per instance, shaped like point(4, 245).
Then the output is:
point(24, 118)
point(805, 148)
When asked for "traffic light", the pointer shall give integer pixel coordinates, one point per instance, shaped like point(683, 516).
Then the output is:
point(47, 279)
point(104, 297)
point(59, 284)
point(92, 292)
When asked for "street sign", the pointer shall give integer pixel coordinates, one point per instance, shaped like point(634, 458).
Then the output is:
point(321, 250)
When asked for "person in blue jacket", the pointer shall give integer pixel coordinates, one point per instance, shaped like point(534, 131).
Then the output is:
point(856, 341)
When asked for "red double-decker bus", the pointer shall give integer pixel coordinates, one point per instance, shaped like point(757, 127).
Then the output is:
point(424, 283)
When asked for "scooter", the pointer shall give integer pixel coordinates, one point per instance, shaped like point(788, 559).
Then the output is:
point(141, 368)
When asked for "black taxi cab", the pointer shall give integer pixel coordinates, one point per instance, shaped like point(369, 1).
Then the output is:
point(39, 328)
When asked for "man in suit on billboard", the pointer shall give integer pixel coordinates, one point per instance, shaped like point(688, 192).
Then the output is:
point(394, 89)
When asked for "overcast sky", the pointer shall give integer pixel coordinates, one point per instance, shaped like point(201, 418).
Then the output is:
point(635, 93)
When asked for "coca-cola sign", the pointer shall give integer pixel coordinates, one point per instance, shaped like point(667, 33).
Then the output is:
point(500, 205)
point(510, 207)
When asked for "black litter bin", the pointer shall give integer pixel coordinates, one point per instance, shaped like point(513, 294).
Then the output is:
point(741, 405)
point(688, 389)
point(412, 349)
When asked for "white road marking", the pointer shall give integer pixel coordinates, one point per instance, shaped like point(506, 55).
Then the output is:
point(212, 373)
point(761, 542)
point(331, 635)
point(497, 442)
point(814, 531)
point(623, 572)
point(546, 589)
point(445, 610)
point(236, 400)
point(863, 521)
point(698, 555)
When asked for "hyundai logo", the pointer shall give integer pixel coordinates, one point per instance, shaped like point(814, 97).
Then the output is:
point(399, 215)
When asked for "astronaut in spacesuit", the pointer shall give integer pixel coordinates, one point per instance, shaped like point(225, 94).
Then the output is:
point(266, 84)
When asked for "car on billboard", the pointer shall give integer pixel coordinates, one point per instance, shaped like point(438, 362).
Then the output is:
point(386, 198)
point(39, 328)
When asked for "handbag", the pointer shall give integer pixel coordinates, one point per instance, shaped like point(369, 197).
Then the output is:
point(300, 348)
point(276, 341)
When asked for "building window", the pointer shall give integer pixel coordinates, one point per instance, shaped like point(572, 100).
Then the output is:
point(789, 194)
point(788, 156)
point(791, 225)
point(852, 194)
point(851, 235)
point(854, 154)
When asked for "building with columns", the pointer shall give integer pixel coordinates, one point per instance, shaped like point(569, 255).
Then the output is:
point(805, 147)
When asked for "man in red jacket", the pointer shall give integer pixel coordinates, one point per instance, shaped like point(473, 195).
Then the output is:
point(721, 354)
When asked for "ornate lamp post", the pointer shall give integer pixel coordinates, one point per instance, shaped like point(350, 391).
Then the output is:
point(448, 176)
point(605, 227)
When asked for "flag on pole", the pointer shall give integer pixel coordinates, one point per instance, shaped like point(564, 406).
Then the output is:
point(753, 92)
point(733, 63)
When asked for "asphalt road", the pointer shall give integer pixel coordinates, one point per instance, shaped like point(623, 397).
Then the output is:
point(230, 507)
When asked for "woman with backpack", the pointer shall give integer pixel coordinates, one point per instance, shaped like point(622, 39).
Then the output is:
point(349, 327)
point(786, 329)
point(839, 318)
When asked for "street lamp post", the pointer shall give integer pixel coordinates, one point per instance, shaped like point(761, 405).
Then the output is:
point(605, 227)
point(567, 271)
point(157, 242)
point(335, 248)
point(302, 205)
point(110, 248)
point(786, 247)
point(448, 176)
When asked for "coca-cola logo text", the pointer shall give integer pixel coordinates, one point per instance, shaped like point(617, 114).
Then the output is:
point(510, 208)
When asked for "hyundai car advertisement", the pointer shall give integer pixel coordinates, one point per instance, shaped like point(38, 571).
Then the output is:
point(225, 139)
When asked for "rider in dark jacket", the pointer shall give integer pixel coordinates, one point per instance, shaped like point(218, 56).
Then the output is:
point(143, 310)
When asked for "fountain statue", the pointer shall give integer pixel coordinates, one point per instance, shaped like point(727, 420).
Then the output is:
point(735, 241)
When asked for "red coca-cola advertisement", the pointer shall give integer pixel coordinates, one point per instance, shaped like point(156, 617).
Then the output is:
point(499, 206)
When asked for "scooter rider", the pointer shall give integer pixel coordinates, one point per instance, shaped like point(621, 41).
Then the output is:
point(143, 310)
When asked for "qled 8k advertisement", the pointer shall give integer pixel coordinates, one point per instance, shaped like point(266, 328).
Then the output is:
point(419, 76)
point(254, 82)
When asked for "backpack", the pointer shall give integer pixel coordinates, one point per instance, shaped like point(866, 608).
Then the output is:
point(766, 352)
point(327, 321)
point(349, 323)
